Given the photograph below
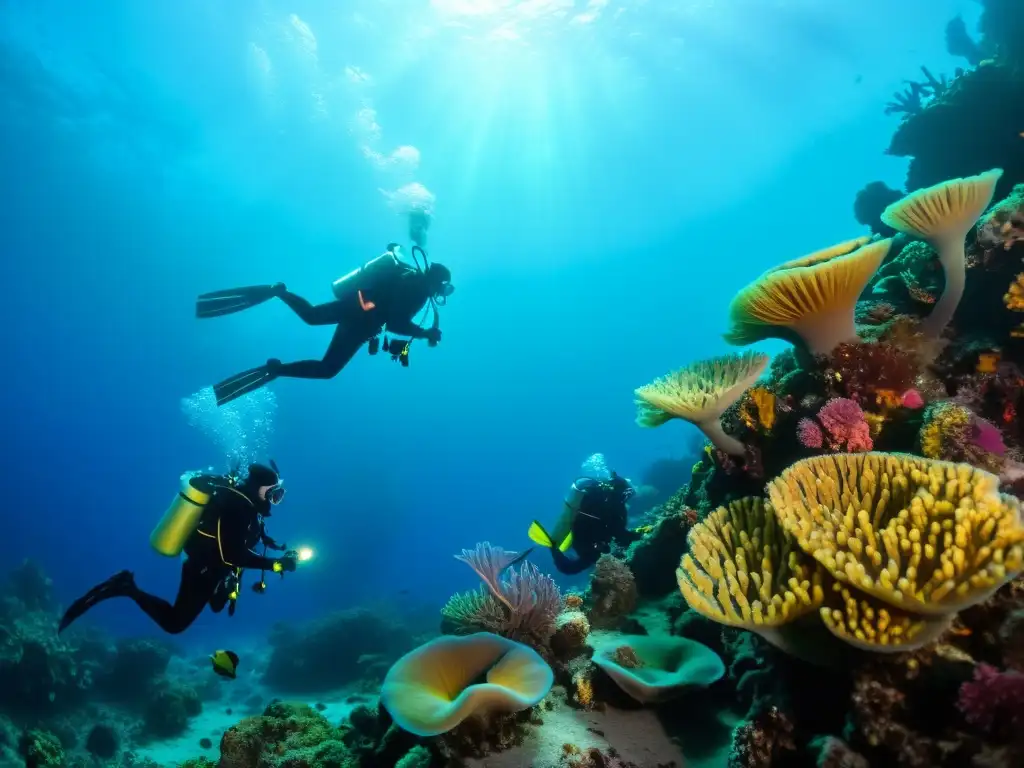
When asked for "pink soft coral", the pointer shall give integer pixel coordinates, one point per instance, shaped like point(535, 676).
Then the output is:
point(845, 424)
point(809, 433)
point(993, 696)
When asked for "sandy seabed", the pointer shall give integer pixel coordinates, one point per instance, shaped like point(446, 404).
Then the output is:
point(637, 736)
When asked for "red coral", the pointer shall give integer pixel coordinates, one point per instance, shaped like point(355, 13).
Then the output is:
point(845, 425)
point(993, 697)
point(860, 370)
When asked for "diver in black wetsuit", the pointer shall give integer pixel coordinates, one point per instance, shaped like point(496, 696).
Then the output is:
point(218, 550)
point(384, 293)
point(595, 517)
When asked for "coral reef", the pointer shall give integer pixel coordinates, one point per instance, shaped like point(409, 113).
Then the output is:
point(305, 658)
point(612, 594)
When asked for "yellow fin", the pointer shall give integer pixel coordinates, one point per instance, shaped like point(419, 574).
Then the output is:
point(538, 535)
point(566, 542)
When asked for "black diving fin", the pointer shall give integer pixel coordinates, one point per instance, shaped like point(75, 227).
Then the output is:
point(219, 303)
point(245, 382)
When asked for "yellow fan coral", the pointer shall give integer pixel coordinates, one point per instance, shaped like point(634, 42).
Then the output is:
point(943, 215)
point(812, 297)
point(744, 570)
point(699, 394)
point(929, 537)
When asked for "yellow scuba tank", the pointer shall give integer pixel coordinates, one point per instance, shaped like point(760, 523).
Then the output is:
point(182, 516)
point(367, 277)
point(561, 533)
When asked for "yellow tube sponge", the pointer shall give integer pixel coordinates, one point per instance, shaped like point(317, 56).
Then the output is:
point(699, 394)
point(744, 570)
point(926, 536)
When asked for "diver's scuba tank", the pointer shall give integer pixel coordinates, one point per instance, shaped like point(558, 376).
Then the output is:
point(574, 498)
point(367, 277)
point(182, 516)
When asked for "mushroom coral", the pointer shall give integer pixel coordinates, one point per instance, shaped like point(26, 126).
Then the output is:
point(699, 393)
point(928, 537)
point(813, 297)
point(661, 666)
point(943, 215)
point(744, 570)
point(435, 687)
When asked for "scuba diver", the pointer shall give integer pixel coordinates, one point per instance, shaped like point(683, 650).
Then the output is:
point(383, 294)
point(594, 517)
point(216, 520)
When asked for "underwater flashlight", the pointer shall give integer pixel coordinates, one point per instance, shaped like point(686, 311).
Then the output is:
point(304, 553)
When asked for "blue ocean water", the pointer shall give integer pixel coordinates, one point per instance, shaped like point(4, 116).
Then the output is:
point(604, 176)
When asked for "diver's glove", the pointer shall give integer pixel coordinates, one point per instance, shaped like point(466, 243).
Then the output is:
point(279, 289)
point(289, 562)
point(433, 336)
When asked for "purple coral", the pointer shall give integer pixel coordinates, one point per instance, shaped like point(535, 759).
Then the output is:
point(530, 598)
point(993, 696)
point(809, 433)
point(845, 424)
point(986, 435)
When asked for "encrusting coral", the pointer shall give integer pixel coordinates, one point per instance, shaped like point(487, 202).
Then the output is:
point(700, 393)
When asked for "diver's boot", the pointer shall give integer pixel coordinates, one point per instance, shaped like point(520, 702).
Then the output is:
point(246, 382)
point(119, 585)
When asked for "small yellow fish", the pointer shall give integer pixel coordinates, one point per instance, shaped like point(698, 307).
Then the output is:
point(225, 663)
point(987, 362)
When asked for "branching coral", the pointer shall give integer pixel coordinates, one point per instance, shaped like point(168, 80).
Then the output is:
point(943, 215)
point(993, 698)
point(843, 426)
point(812, 298)
point(810, 433)
point(700, 393)
point(523, 606)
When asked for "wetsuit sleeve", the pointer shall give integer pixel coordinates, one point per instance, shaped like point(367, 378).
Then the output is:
point(268, 542)
point(232, 527)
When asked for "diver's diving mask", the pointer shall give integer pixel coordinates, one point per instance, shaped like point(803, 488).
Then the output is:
point(443, 292)
point(275, 493)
